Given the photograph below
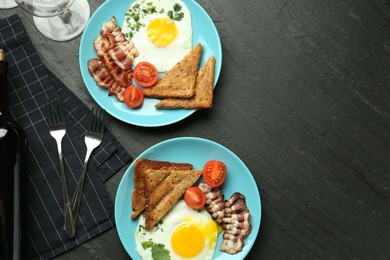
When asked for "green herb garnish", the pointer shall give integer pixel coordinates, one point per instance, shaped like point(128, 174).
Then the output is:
point(159, 252)
point(176, 13)
point(141, 227)
point(135, 13)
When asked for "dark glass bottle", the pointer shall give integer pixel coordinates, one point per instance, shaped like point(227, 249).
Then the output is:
point(12, 155)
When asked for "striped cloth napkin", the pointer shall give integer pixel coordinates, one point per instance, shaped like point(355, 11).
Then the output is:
point(31, 83)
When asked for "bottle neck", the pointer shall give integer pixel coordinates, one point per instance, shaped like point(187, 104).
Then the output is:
point(4, 106)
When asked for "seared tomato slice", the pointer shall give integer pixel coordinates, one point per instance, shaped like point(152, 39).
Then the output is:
point(195, 198)
point(133, 96)
point(145, 74)
point(214, 173)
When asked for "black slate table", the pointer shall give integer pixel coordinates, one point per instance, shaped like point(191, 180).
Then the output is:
point(304, 100)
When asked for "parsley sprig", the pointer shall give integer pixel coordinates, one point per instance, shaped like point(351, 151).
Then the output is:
point(176, 13)
point(158, 250)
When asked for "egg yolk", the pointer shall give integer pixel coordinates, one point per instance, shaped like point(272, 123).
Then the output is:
point(187, 240)
point(161, 31)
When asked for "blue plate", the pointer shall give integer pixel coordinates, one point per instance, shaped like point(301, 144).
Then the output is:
point(196, 151)
point(204, 32)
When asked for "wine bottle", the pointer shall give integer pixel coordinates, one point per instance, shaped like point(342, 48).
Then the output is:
point(12, 156)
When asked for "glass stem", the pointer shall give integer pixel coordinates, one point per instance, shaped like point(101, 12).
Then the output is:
point(66, 17)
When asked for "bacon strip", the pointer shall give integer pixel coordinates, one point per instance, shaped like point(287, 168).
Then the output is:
point(123, 77)
point(104, 79)
point(233, 215)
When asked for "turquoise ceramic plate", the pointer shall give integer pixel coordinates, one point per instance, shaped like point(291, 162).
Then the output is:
point(204, 32)
point(196, 151)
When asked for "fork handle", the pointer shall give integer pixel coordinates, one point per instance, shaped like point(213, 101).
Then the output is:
point(68, 217)
point(64, 184)
point(69, 221)
point(75, 203)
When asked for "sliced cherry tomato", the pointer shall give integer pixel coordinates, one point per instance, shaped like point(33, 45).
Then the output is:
point(133, 96)
point(195, 198)
point(145, 74)
point(214, 173)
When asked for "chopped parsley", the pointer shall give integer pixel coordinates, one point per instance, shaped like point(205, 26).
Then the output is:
point(135, 13)
point(147, 244)
point(157, 226)
point(141, 8)
point(141, 227)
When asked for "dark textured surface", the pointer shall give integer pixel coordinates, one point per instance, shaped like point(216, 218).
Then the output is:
point(304, 100)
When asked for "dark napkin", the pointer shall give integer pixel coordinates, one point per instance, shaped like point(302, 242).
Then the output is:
point(31, 83)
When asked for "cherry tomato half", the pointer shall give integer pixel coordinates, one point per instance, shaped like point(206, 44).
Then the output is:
point(195, 198)
point(214, 173)
point(133, 96)
point(145, 74)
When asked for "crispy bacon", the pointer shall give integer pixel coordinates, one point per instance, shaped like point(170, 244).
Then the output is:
point(123, 77)
point(110, 38)
point(112, 68)
point(123, 54)
point(232, 214)
point(112, 27)
point(101, 75)
point(114, 42)
point(231, 244)
point(104, 79)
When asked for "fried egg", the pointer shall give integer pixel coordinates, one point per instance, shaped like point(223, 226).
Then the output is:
point(183, 233)
point(161, 31)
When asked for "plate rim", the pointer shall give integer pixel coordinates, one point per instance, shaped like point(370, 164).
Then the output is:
point(128, 172)
point(171, 119)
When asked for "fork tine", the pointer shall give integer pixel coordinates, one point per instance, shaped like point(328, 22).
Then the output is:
point(96, 120)
point(100, 130)
point(54, 114)
point(50, 113)
point(96, 115)
point(96, 124)
point(57, 110)
point(61, 112)
point(92, 120)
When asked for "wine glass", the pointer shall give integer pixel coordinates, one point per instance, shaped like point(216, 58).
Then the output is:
point(59, 20)
point(7, 4)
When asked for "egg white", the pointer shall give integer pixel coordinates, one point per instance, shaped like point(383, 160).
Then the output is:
point(162, 232)
point(163, 58)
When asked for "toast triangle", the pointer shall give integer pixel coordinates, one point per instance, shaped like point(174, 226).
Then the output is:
point(161, 198)
point(179, 81)
point(140, 167)
point(203, 97)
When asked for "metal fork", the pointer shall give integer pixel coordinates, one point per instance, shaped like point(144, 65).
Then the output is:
point(57, 129)
point(93, 138)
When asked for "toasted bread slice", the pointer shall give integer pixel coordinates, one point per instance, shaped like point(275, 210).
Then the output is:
point(172, 184)
point(140, 168)
point(178, 82)
point(203, 97)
